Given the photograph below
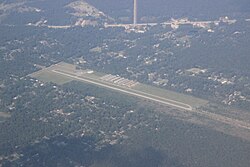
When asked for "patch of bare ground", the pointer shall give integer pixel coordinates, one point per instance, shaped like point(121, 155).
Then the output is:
point(4, 115)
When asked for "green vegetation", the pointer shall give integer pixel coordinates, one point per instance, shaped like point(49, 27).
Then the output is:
point(48, 76)
point(4, 116)
point(193, 101)
point(66, 126)
point(47, 119)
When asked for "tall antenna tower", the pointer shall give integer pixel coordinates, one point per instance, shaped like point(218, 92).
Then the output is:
point(135, 12)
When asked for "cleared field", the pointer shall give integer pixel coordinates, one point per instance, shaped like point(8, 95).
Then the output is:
point(63, 72)
point(49, 76)
point(4, 115)
point(133, 92)
point(193, 101)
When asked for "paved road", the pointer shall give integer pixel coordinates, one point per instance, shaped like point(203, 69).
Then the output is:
point(131, 92)
point(171, 22)
point(183, 106)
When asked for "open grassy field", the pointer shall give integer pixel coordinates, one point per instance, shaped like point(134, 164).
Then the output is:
point(3, 116)
point(49, 76)
point(62, 73)
point(193, 101)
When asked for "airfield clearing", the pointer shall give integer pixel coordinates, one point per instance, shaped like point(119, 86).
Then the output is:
point(3, 116)
point(63, 72)
point(51, 77)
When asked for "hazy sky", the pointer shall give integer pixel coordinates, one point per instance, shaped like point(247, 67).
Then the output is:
point(178, 8)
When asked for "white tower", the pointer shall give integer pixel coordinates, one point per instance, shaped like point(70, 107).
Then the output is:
point(135, 12)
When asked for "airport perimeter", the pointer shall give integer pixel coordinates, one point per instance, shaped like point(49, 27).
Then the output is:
point(63, 72)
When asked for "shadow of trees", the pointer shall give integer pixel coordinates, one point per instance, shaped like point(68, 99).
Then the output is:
point(66, 152)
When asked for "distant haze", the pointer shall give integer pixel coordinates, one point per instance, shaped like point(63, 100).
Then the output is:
point(174, 8)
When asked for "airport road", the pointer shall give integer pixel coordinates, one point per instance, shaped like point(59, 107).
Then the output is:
point(169, 102)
